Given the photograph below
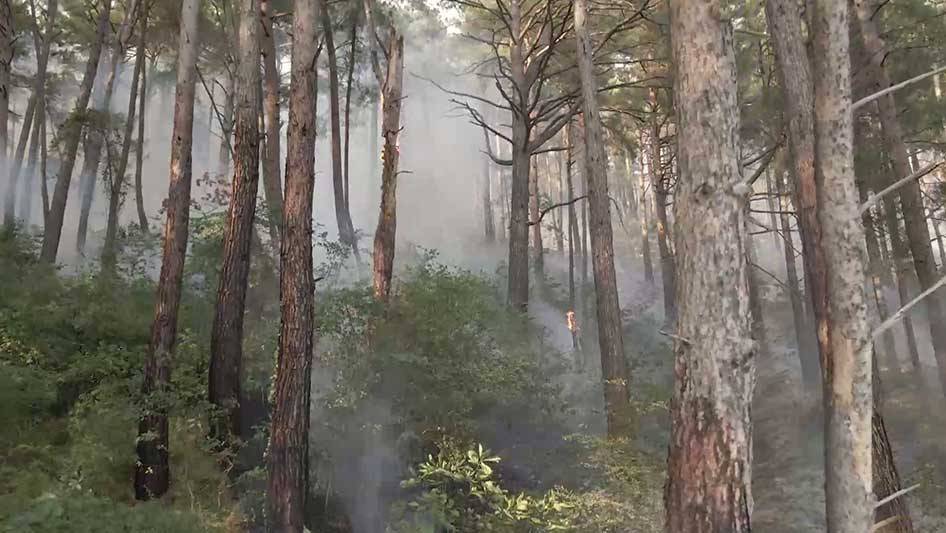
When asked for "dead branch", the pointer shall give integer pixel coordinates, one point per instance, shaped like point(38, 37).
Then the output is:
point(870, 98)
point(874, 198)
point(556, 206)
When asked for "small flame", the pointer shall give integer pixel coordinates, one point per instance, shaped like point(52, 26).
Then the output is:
point(572, 321)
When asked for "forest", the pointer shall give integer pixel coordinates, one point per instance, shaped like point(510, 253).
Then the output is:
point(431, 266)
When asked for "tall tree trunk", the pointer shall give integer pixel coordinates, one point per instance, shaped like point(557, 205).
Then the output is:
point(140, 141)
point(710, 462)
point(519, 197)
point(610, 338)
point(911, 200)
point(346, 231)
point(288, 451)
point(226, 337)
point(116, 192)
point(226, 125)
point(9, 211)
point(152, 471)
point(642, 219)
point(70, 134)
point(784, 20)
point(538, 259)
point(96, 136)
point(6, 58)
point(572, 224)
point(349, 85)
point(901, 261)
point(560, 230)
point(847, 360)
point(43, 46)
point(487, 197)
point(44, 186)
point(804, 331)
point(386, 232)
point(271, 178)
point(885, 475)
point(658, 185)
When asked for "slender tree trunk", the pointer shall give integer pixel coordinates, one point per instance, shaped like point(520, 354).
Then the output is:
point(657, 183)
point(226, 338)
point(642, 219)
point(226, 125)
point(784, 21)
point(70, 134)
point(911, 200)
point(385, 234)
point(6, 58)
point(560, 233)
point(116, 192)
point(43, 45)
point(9, 211)
point(271, 177)
point(346, 231)
point(288, 451)
point(804, 331)
point(538, 262)
point(487, 197)
point(349, 85)
point(152, 471)
point(519, 197)
point(44, 186)
point(140, 141)
point(96, 136)
point(572, 226)
point(610, 339)
point(710, 462)
point(901, 261)
point(375, 152)
point(848, 363)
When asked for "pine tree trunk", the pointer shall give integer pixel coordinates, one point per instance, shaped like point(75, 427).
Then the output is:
point(116, 193)
point(614, 371)
point(70, 135)
point(346, 231)
point(43, 43)
point(6, 58)
point(901, 260)
point(489, 228)
point(804, 331)
point(848, 363)
point(911, 200)
point(709, 466)
point(226, 126)
point(288, 451)
point(538, 258)
point(519, 197)
point(226, 337)
point(9, 210)
point(95, 136)
point(152, 471)
point(140, 141)
point(349, 85)
point(658, 185)
point(643, 221)
point(784, 20)
point(386, 232)
point(271, 175)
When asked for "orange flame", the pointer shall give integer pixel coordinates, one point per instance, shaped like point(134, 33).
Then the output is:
point(572, 321)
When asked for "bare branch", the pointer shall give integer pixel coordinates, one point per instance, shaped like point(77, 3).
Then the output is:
point(870, 98)
point(874, 198)
point(555, 206)
point(896, 317)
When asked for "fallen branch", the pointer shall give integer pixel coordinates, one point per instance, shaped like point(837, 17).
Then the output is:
point(675, 337)
point(896, 317)
point(896, 495)
point(870, 98)
point(874, 198)
point(556, 206)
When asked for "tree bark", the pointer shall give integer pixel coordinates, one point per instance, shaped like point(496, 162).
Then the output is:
point(70, 135)
point(610, 338)
point(226, 337)
point(847, 362)
point(804, 330)
point(226, 124)
point(643, 220)
point(288, 450)
point(901, 262)
point(346, 231)
point(489, 228)
point(9, 211)
point(538, 262)
point(658, 184)
point(140, 141)
point(6, 58)
point(710, 461)
point(911, 200)
point(271, 177)
point(784, 20)
point(43, 46)
point(152, 471)
point(349, 85)
point(96, 136)
point(109, 247)
point(386, 232)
